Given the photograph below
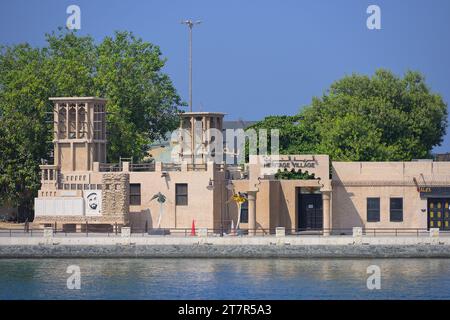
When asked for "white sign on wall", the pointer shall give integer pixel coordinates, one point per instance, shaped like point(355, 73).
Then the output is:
point(93, 202)
point(313, 164)
point(58, 206)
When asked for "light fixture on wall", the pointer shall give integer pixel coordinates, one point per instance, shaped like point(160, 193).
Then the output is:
point(256, 185)
point(211, 184)
point(229, 184)
point(164, 174)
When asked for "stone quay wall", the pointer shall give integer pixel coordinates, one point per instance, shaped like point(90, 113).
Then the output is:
point(227, 251)
point(217, 247)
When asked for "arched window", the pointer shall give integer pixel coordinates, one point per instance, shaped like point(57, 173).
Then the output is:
point(62, 117)
point(72, 123)
point(82, 126)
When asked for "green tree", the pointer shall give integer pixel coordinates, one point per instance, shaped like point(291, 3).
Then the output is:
point(143, 103)
point(293, 136)
point(361, 118)
point(23, 129)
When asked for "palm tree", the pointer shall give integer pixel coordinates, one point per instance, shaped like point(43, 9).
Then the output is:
point(161, 199)
point(239, 198)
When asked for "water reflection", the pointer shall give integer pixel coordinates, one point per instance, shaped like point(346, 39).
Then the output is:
point(224, 279)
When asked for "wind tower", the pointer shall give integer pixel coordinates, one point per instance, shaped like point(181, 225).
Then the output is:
point(79, 132)
point(197, 137)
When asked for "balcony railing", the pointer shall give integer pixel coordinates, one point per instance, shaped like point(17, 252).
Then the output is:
point(197, 167)
point(170, 167)
point(156, 166)
point(141, 167)
point(30, 231)
point(110, 167)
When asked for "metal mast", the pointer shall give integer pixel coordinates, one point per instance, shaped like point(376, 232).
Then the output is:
point(190, 24)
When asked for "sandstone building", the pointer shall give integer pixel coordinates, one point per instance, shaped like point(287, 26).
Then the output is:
point(81, 190)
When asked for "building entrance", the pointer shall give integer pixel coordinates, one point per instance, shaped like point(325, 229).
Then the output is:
point(310, 212)
point(439, 213)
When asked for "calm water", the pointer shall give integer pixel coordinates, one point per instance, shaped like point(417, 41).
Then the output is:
point(224, 279)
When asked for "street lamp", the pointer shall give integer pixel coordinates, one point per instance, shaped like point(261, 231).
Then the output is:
point(190, 24)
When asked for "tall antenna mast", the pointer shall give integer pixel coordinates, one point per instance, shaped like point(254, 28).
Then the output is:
point(190, 24)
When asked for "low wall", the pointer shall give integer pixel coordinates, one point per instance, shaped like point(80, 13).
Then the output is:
point(227, 247)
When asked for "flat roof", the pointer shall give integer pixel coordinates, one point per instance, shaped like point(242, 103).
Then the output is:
point(202, 113)
point(238, 124)
point(76, 98)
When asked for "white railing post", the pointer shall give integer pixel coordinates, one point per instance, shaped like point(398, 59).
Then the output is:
point(280, 232)
point(125, 233)
point(48, 235)
point(434, 235)
point(357, 235)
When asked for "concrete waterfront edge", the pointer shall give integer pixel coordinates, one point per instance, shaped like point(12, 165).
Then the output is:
point(126, 246)
point(225, 251)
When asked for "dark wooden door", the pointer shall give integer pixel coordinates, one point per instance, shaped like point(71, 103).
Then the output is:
point(439, 213)
point(310, 211)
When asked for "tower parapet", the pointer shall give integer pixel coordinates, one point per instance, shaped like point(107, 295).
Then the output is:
point(196, 135)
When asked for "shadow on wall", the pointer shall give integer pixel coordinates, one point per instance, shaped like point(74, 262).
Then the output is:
point(344, 213)
point(167, 179)
point(138, 219)
point(260, 228)
point(284, 216)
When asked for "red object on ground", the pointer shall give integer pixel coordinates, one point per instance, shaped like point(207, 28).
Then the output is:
point(193, 228)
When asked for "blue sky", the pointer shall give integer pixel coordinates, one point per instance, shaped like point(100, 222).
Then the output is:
point(258, 58)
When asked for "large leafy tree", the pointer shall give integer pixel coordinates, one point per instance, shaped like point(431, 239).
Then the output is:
point(292, 137)
point(361, 118)
point(24, 132)
point(142, 99)
point(143, 103)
